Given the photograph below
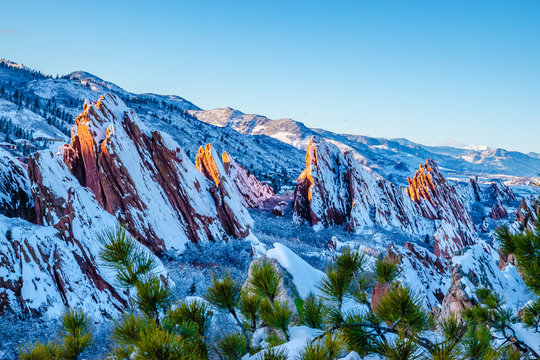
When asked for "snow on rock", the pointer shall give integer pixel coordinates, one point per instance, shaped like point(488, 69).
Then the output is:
point(147, 181)
point(477, 267)
point(306, 279)
point(439, 201)
point(41, 273)
point(451, 284)
point(335, 189)
point(527, 214)
point(251, 191)
point(234, 216)
point(15, 196)
point(499, 192)
point(498, 211)
point(424, 273)
point(45, 268)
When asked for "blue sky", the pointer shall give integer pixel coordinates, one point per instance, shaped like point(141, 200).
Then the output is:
point(431, 71)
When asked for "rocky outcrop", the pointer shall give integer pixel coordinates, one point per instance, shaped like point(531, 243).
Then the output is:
point(527, 214)
point(15, 197)
point(498, 211)
point(287, 292)
point(147, 181)
point(422, 271)
point(252, 192)
point(378, 292)
point(322, 194)
point(232, 214)
point(280, 208)
point(44, 269)
point(499, 192)
point(335, 189)
point(438, 200)
point(456, 299)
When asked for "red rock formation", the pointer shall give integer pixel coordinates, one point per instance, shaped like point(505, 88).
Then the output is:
point(147, 181)
point(456, 299)
point(378, 292)
point(229, 204)
point(321, 196)
point(335, 189)
point(498, 211)
point(527, 213)
point(438, 200)
point(477, 191)
point(426, 273)
point(251, 191)
point(55, 265)
point(499, 192)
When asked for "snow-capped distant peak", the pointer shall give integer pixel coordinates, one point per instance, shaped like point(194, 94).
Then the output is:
point(477, 147)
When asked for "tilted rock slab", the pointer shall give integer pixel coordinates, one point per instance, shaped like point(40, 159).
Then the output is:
point(147, 182)
point(252, 192)
point(335, 189)
point(48, 267)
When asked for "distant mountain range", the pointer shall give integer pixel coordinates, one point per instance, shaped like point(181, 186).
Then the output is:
point(273, 149)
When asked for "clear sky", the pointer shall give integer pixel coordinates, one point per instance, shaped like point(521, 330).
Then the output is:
point(431, 71)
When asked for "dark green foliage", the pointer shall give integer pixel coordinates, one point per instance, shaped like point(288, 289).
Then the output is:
point(273, 354)
point(311, 312)
point(531, 315)
point(446, 350)
point(128, 330)
point(277, 315)
point(315, 351)
point(358, 338)
point(126, 257)
point(450, 328)
point(224, 293)
point(121, 353)
point(249, 307)
point(401, 307)
point(156, 344)
point(400, 348)
point(350, 261)
point(361, 283)
point(152, 297)
point(39, 351)
point(275, 340)
point(526, 249)
point(232, 347)
point(193, 313)
point(477, 344)
point(76, 333)
point(336, 285)
point(264, 280)
point(76, 337)
point(386, 271)
point(328, 348)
